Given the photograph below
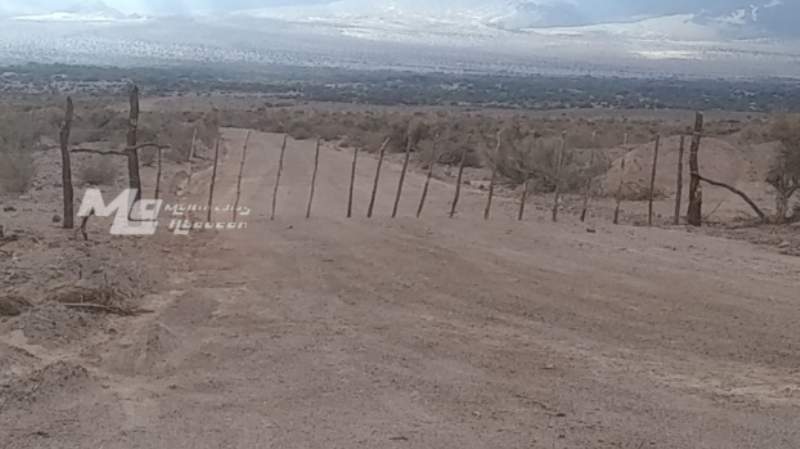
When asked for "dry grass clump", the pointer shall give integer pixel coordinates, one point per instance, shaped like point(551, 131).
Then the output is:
point(640, 191)
point(98, 171)
point(20, 137)
point(78, 294)
point(784, 173)
point(17, 171)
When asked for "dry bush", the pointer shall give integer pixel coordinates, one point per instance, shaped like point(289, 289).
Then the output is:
point(177, 131)
point(784, 174)
point(525, 155)
point(98, 171)
point(207, 128)
point(17, 171)
point(640, 191)
point(20, 134)
point(300, 130)
point(405, 131)
point(147, 156)
point(98, 124)
point(447, 147)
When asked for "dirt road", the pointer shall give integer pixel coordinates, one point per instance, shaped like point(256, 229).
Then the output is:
point(434, 333)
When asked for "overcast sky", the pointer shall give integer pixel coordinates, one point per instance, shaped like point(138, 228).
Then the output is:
point(629, 7)
point(777, 16)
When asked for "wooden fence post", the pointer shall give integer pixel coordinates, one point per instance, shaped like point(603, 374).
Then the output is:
point(695, 213)
point(587, 194)
point(559, 163)
point(278, 178)
point(66, 167)
point(239, 179)
point(427, 183)
point(191, 149)
point(679, 188)
point(377, 178)
point(157, 193)
point(458, 182)
point(400, 183)
point(313, 181)
point(653, 182)
point(134, 179)
point(352, 183)
point(525, 187)
point(487, 212)
point(618, 197)
point(213, 182)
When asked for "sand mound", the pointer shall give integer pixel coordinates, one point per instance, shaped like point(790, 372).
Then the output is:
point(14, 361)
point(719, 160)
point(86, 294)
point(52, 380)
point(52, 325)
point(13, 305)
point(146, 351)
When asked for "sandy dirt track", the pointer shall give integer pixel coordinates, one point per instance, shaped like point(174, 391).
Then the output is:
point(434, 333)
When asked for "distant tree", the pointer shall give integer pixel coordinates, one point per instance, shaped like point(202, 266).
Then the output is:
point(784, 175)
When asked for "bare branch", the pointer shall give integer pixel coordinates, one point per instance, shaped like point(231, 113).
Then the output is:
point(100, 152)
point(122, 152)
point(741, 194)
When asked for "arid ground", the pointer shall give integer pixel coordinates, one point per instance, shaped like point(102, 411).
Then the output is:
point(419, 333)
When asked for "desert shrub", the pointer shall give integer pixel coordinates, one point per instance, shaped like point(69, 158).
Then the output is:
point(300, 130)
point(784, 174)
point(147, 156)
point(525, 155)
point(98, 171)
point(407, 131)
point(448, 152)
point(640, 191)
point(208, 129)
point(20, 134)
point(94, 123)
point(17, 170)
point(447, 146)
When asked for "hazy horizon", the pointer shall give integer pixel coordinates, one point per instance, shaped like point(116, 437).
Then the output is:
point(706, 37)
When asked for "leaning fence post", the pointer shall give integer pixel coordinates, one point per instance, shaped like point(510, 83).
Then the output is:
point(352, 183)
point(427, 183)
point(313, 181)
point(458, 182)
point(488, 211)
point(653, 182)
point(400, 183)
point(213, 182)
point(239, 179)
point(679, 188)
point(278, 178)
point(377, 178)
point(66, 167)
point(559, 162)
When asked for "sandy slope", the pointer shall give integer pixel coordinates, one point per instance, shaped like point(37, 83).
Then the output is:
point(433, 333)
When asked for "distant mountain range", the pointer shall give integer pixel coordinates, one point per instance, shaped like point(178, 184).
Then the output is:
point(733, 18)
point(688, 36)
